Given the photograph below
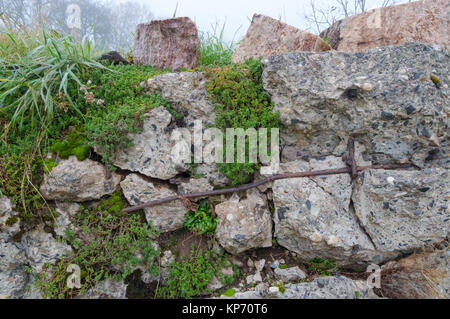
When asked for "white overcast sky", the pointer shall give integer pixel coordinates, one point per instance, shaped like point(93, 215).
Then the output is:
point(236, 13)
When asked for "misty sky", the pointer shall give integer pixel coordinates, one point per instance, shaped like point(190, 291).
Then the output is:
point(236, 13)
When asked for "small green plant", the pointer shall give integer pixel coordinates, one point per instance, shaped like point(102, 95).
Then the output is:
point(324, 267)
point(241, 102)
point(435, 80)
point(229, 292)
point(108, 245)
point(357, 294)
point(325, 38)
point(189, 278)
point(284, 266)
point(49, 164)
point(11, 220)
point(281, 288)
point(201, 221)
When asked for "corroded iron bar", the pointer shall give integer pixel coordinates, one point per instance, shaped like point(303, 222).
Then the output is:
point(337, 171)
point(352, 161)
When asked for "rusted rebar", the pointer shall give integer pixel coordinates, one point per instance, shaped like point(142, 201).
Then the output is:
point(337, 171)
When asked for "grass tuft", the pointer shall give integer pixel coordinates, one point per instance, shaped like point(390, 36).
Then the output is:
point(214, 49)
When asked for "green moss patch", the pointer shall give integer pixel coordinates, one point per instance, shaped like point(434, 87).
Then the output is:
point(73, 144)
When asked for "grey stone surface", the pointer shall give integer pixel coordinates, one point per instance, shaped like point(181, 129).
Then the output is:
point(211, 172)
point(313, 216)
point(187, 94)
point(289, 274)
point(107, 289)
point(78, 181)
point(384, 98)
point(13, 277)
point(165, 217)
point(195, 185)
point(65, 211)
point(403, 210)
point(151, 153)
point(167, 258)
point(9, 219)
point(336, 287)
point(41, 248)
point(244, 223)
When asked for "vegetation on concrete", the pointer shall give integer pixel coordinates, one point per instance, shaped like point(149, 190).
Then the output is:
point(240, 101)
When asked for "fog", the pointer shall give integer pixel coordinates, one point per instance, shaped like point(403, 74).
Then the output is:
point(111, 23)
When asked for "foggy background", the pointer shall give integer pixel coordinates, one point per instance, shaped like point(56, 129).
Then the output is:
point(111, 23)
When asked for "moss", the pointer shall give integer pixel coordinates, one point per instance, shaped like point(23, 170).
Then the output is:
point(11, 221)
point(283, 266)
point(49, 164)
point(73, 144)
point(114, 204)
point(436, 81)
point(229, 293)
point(281, 288)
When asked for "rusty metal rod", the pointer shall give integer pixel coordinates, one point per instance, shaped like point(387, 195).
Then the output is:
point(337, 171)
point(352, 160)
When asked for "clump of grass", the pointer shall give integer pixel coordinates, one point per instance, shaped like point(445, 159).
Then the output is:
point(35, 86)
point(16, 40)
point(37, 71)
point(214, 50)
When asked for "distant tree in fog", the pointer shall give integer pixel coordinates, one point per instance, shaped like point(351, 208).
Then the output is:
point(320, 17)
point(110, 24)
point(126, 16)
